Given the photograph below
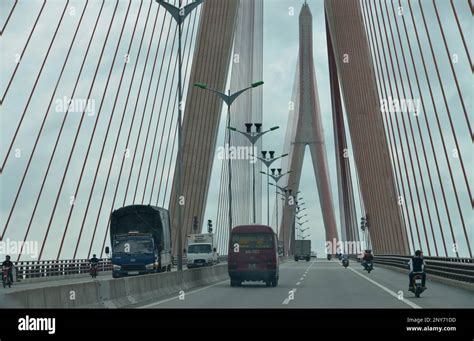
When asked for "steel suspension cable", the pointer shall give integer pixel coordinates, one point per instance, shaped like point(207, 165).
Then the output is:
point(34, 84)
point(119, 129)
point(19, 60)
point(131, 125)
point(389, 122)
point(77, 135)
point(8, 18)
point(427, 123)
point(159, 112)
point(93, 186)
point(462, 38)
point(439, 124)
point(407, 175)
point(91, 140)
point(446, 105)
point(56, 143)
point(420, 134)
point(42, 124)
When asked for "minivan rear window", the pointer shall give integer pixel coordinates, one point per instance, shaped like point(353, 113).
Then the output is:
point(248, 241)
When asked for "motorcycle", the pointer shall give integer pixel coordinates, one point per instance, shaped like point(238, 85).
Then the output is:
point(5, 277)
point(329, 257)
point(417, 284)
point(345, 262)
point(369, 267)
point(93, 270)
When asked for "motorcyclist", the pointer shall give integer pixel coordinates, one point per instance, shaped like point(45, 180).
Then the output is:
point(417, 264)
point(367, 258)
point(8, 263)
point(344, 257)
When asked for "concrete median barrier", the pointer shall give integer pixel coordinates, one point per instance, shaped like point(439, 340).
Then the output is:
point(112, 293)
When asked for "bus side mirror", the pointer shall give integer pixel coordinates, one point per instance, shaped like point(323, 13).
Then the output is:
point(107, 250)
point(184, 250)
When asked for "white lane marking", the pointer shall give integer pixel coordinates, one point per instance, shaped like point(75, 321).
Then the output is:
point(287, 300)
point(174, 298)
point(394, 294)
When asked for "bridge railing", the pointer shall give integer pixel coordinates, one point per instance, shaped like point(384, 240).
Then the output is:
point(460, 269)
point(48, 268)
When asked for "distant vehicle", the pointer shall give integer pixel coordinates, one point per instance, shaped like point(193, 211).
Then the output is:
point(201, 250)
point(140, 236)
point(253, 255)
point(302, 250)
point(313, 254)
point(345, 262)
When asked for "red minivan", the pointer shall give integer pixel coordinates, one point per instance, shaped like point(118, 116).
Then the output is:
point(253, 255)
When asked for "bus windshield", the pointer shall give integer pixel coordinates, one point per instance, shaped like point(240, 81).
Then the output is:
point(249, 241)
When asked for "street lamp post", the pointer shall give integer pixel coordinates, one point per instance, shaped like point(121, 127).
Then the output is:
point(301, 216)
point(229, 99)
point(287, 193)
point(300, 230)
point(276, 177)
point(179, 14)
point(253, 137)
point(268, 162)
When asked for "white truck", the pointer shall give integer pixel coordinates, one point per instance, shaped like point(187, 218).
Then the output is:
point(201, 250)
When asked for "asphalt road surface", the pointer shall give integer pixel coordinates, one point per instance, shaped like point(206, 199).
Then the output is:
point(322, 284)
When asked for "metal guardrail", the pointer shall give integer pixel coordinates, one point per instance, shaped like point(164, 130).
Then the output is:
point(460, 269)
point(49, 268)
point(41, 269)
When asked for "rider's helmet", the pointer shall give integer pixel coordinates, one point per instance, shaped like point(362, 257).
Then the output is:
point(94, 255)
point(7, 257)
point(418, 253)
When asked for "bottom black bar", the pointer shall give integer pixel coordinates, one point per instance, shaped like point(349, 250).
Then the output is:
point(49, 323)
